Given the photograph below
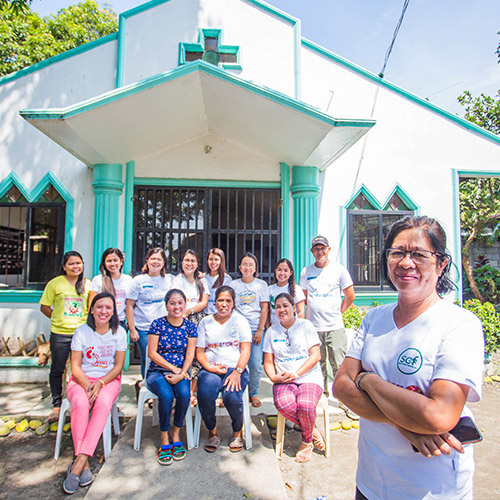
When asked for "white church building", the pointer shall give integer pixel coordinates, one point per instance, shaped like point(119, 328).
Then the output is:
point(214, 123)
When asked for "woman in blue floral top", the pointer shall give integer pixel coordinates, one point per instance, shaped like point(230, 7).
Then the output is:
point(171, 348)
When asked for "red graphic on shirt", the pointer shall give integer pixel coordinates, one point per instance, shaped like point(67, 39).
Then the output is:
point(415, 388)
point(94, 358)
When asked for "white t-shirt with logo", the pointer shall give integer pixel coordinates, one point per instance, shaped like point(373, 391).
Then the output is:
point(121, 285)
point(98, 351)
point(222, 342)
point(190, 289)
point(324, 287)
point(149, 295)
point(211, 309)
point(274, 291)
point(248, 299)
point(445, 342)
point(291, 351)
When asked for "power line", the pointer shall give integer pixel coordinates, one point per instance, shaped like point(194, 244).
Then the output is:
point(394, 36)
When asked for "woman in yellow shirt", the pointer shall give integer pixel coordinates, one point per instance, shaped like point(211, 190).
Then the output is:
point(65, 303)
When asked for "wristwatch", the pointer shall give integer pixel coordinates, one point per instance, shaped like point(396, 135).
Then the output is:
point(239, 370)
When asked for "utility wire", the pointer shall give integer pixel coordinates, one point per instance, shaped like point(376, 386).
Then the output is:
point(394, 36)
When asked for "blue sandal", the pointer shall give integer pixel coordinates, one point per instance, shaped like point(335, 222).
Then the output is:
point(165, 454)
point(179, 452)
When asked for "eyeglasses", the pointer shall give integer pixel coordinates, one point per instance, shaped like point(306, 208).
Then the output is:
point(287, 339)
point(417, 256)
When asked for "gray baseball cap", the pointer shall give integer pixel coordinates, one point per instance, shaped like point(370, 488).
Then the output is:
point(319, 240)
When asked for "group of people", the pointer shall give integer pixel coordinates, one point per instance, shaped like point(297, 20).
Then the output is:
point(202, 334)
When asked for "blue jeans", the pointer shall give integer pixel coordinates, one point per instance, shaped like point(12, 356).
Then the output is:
point(166, 394)
point(142, 343)
point(209, 386)
point(255, 368)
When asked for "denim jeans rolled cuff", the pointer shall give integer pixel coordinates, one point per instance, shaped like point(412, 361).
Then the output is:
point(60, 347)
point(255, 367)
point(209, 386)
point(166, 393)
point(142, 344)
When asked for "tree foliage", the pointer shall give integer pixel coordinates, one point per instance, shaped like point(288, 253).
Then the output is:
point(15, 5)
point(26, 38)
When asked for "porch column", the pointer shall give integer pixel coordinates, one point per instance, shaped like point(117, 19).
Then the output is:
point(108, 187)
point(305, 193)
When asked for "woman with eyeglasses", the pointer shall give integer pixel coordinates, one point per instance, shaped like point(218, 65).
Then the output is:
point(409, 372)
point(291, 361)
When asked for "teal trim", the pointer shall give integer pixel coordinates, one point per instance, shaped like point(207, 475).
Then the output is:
point(369, 196)
point(128, 225)
point(149, 181)
point(285, 210)
point(20, 361)
point(120, 50)
point(141, 8)
point(370, 299)
point(21, 296)
point(57, 58)
point(404, 93)
point(305, 192)
point(38, 190)
point(202, 66)
point(108, 187)
point(410, 204)
point(14, 180)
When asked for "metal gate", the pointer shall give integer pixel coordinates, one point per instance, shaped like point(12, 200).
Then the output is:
point(235, 220)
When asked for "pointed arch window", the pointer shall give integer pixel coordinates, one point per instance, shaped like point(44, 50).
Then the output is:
point(368, 225)
point(31, 237)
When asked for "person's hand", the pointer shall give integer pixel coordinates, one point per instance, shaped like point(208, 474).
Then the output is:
point(219, 369)
point(174, 378)
point(93, 391)
point(284, 378)
point(233, 382)
point(257, 337)
point(134, 336)
point(431, 445)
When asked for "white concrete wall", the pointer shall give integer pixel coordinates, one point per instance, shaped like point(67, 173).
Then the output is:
point(266, 41)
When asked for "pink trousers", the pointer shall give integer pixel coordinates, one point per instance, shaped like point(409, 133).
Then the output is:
point(85, 432)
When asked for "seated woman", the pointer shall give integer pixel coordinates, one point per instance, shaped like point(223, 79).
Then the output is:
point(223, 350)
point(171, 346)
point(291, 361)
point(97, 356)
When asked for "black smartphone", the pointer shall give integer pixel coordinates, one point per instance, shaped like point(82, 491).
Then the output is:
point(465, 431)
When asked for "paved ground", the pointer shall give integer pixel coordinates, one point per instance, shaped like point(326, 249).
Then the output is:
point(27, 467)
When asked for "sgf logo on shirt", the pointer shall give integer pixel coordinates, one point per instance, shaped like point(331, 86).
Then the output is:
point(409, 361)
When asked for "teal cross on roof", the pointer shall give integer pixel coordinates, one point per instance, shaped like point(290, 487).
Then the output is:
point(210, 49)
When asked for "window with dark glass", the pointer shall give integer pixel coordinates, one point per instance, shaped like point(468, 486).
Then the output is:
point(367, 228)
point(31, 238)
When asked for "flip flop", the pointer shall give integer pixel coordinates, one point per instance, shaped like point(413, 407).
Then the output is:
point(54, 415)
point(193, 400)
point(255, 401)
point(304, 455)
point(319, 442)
point(212, 444)
point(236, 444)
point(165, 454)
point(178, 451)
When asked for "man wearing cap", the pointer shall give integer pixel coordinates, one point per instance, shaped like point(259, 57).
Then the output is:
point(323, 282)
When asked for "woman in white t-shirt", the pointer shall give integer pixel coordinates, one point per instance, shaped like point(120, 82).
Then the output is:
point(112, 280)
point(410, 370)
point(97, 356)
point(216, 276)
point(223, 350)
point(252, 300)
point(285, 283)
point(291, 361)
point(146, 299)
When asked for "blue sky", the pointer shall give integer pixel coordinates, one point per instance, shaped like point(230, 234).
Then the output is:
point(443, 48)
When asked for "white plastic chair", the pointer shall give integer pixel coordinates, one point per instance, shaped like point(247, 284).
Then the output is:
point(144, 395)
point(106, 433)
point(247, 422)
point(280, 429)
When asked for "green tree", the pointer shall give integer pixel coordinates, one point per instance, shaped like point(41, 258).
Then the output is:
point(26, 38)
point(479, 197)
point(16, 5)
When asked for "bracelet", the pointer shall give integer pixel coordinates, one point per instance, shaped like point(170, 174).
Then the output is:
point(183, 375)
point(102, 381)
point(359, 378)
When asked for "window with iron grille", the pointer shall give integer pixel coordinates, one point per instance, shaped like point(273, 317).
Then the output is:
point(31, 238)
point(367, 230)
point(235, 220)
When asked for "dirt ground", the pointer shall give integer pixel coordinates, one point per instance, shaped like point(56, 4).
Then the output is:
point(28, 469)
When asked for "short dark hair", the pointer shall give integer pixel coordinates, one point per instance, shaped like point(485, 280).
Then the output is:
point(114, 322)
point(172, 291)
point(435, 232)
point(225, 288)
point(286, 296)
